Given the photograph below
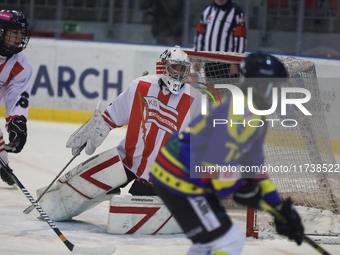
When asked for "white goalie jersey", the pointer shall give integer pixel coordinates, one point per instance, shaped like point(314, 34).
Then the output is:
point(152, 113)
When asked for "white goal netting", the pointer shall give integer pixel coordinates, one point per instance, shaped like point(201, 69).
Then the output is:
point(304, 167)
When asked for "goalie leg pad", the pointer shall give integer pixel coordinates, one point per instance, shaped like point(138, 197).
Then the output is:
point(146, 215)
point(84, 187)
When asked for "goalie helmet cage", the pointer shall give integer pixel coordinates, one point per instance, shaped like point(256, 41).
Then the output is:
point(314, 192)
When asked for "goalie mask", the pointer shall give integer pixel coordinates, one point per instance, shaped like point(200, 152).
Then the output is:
point(262, 71)
point(14, 31)
point(173, 68)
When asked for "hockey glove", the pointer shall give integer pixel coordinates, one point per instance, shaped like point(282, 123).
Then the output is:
point(5, 177)
point(17, 134)
point(293, 229)
point(249, 194)
point(93, 133)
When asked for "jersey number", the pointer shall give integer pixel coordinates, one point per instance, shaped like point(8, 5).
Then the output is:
point(234, 152)
point(23, 102)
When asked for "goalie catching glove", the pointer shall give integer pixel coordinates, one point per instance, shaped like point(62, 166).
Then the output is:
point(17, 134)
point(93, 133)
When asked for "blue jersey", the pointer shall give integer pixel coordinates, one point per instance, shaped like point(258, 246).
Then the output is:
point(215, 154)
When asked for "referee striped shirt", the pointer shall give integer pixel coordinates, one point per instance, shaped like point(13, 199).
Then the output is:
point(221, 28)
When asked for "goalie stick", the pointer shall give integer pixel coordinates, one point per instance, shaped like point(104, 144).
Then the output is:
point(100, 250)
point(282, 219)
point(31, 207)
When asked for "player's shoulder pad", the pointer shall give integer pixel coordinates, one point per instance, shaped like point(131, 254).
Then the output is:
point(22, 60)
point(147, 78)
point(191, 90)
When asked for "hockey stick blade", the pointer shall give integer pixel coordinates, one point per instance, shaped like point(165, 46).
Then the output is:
point(282, 219)
point(31, 207)
point(100, 250)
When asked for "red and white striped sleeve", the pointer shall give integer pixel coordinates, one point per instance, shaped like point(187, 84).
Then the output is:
point(117, 114)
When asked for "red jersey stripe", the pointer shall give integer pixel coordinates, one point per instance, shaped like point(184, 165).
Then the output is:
point(135, 123)
point(17, 68)
point(108, 120)
point(183, 108)
point(166, 118)
point(151, 137)
point(170, 111)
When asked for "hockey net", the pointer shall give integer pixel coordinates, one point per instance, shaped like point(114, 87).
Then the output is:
point(295, 151)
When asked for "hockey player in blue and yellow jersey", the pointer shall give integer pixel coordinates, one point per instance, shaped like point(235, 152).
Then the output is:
point(208, 162)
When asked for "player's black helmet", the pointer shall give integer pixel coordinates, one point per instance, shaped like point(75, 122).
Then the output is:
point(261, 71)
point(11, 22)
point(262, 65)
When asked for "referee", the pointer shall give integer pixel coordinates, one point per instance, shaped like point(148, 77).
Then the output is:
point(221, 28)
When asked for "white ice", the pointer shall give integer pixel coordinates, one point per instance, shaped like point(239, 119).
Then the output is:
point(36, 166)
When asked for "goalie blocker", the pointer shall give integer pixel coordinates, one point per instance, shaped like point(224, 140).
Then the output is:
point(87, 185)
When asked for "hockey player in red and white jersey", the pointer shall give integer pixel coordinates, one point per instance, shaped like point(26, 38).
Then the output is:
point(15, 77)
point(153, 107)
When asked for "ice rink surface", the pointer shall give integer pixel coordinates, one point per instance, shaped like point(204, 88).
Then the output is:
point(43, 157)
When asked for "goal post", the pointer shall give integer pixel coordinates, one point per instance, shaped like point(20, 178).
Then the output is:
point(301, 156)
